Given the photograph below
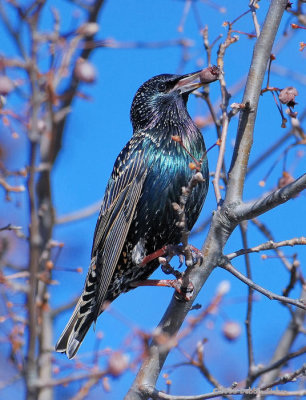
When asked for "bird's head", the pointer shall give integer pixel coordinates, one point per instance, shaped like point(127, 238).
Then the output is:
point(161, 101)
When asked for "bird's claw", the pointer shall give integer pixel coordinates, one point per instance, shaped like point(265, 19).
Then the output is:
point(189, 254)
point(167, 269)
point(193, 256)
point(197, 256)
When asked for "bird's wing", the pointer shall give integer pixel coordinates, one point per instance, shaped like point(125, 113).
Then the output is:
point(117, 211)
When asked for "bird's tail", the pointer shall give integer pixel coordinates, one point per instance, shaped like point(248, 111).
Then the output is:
point(82, 318)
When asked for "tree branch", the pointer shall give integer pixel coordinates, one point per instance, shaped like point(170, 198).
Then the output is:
point(79, 214)
point(248, 320)
point(272, 296)
point(244, 140)
point(281, 356)
point(157, 395)
point(255, 208)
point(279, 363)
point(287, 378)
point(270, 245)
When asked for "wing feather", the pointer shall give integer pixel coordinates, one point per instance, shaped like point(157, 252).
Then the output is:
point(115, 218)
point(117, 186)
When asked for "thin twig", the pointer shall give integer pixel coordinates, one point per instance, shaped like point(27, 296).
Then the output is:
point(71, 378)
point(266, 232)
point(9, 188)
point(252, 5)
point(10, 227)
point(67, 306)
point(80, 214)
point(281, 354)
point(280, 362)
point(220, 162)
point(287, 378)
point(248, 321)
point(270, 245)
point(272, 296)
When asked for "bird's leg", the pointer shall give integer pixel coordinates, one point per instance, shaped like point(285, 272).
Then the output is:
point(153, 256)
point(185, 292)
point(166, 251)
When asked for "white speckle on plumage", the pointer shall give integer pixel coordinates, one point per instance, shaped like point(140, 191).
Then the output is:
point(139, 252)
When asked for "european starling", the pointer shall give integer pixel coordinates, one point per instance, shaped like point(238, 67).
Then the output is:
point(137, 216)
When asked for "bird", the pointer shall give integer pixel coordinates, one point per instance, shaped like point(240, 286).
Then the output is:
point(137, 216)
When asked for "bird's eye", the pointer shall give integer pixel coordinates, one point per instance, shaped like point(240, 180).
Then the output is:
point(162, 86)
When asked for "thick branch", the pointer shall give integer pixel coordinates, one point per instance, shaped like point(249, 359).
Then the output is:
point(255, 208)
point(259, 63)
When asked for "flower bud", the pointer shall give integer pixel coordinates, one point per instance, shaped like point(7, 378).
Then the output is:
point(231, 330)
point(6, 85)
point(88, 29)
point(118, 363)
point(285, 179)
point(85, 71)
point(223, 288)
point(287, 96)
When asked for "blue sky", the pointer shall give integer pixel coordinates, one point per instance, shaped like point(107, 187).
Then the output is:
point(98, 129)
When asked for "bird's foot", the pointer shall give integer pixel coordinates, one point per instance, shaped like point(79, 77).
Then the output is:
point(191, 254)
point(177, 284)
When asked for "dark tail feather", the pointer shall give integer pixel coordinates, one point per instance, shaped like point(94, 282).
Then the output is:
point(74, 332)
point(82, 318)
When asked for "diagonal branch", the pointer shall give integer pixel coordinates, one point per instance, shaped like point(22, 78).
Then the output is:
point(287, 378)
point(276, 365)
point(255, 208)
point(272, 296)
